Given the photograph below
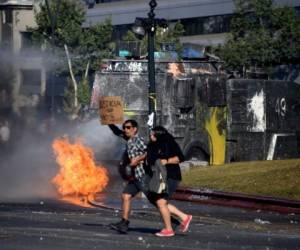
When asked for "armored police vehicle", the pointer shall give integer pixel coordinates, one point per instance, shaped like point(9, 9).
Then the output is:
point(213, 118)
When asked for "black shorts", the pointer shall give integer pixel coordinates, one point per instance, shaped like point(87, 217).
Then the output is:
point(172, 186)
point(135, 186)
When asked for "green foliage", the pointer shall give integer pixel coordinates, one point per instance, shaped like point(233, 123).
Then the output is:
point(83, 97)
point(96, 43)
point(84, 44)
point(262, 35)
point(69, 98)
point(64, 26)
point(130, 36)
point(84, 93)
point(170, 35)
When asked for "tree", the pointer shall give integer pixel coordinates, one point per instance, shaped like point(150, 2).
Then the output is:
point(78, 50)
point(169, 35)
point(262, 35)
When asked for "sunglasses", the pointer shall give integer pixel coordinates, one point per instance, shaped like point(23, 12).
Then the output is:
point(127, 127)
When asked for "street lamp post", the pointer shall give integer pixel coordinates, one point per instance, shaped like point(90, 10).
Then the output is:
point(140, 28)
point(151, 65)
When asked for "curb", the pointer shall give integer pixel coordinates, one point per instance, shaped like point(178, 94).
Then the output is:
point(220, 198)
point(215, 197)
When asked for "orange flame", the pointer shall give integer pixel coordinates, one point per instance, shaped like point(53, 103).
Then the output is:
point(78, 174)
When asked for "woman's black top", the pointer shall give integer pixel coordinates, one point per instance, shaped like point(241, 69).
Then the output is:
point(166, 148)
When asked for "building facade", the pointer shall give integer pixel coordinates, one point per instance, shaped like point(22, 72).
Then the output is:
point(206, 22)
point(29, 76)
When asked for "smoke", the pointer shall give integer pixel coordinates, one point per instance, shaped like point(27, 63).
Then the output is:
point(26, 170)
point(104, 143)
point(6, 72)
point(27, 161)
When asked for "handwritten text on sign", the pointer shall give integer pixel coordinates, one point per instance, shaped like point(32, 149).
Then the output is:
point(111, 110)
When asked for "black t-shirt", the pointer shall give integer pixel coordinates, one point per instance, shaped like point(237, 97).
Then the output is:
point(165, 149)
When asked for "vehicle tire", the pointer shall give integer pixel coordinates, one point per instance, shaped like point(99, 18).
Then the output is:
point(196, 154)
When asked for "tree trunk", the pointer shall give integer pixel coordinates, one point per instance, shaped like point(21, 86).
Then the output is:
point(72, 76)
point(86, 70)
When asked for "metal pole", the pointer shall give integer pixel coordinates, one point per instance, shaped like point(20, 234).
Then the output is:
point(52, 19)
point(151, 63)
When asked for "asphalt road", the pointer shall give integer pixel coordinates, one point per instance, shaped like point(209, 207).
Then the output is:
point(56, 225)
point(50, 224)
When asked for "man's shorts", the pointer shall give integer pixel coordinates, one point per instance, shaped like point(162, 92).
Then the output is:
point(135, 186)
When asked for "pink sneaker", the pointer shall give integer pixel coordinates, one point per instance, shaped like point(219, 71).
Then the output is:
point(184, 226)
point(165, 233)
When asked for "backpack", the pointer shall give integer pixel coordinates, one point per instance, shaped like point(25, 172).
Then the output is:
point(158, 181)
point(124, 168)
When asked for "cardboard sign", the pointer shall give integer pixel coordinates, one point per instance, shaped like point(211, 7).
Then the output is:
point(111, 110)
